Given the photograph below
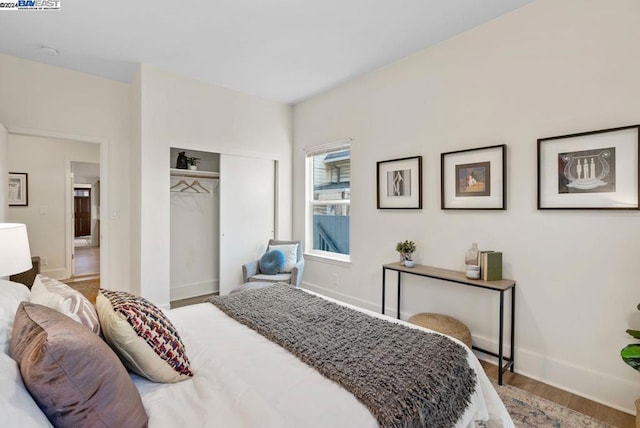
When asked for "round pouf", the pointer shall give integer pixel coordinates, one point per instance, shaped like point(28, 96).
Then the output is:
point(443, 324)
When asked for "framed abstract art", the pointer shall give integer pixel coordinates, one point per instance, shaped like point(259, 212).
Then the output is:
point(474, 179)
point(399, 183)
point(590, 170)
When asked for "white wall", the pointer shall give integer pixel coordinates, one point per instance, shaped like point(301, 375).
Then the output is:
point(181, 112)
point(551, 68)
point(46, 160)
point(40, 97)
point(4, 170)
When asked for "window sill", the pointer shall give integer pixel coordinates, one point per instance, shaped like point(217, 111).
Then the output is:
point(344, 261)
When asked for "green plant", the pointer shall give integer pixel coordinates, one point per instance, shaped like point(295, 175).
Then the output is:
point(406, 249)
point(192, 161)
point(631, 353)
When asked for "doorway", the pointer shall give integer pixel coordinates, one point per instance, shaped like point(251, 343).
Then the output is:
point(86, 219)
point(47, 156)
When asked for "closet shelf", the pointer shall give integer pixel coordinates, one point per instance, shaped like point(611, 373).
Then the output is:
point(193, 173)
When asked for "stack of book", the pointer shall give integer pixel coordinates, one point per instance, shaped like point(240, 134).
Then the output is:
point(490, 265)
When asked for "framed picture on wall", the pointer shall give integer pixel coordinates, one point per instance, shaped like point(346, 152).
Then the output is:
point(18, 194)
point(474, 179)
point(399, 183)
point(590, 170)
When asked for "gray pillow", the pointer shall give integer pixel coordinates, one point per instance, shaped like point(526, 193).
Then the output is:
point(73, 375)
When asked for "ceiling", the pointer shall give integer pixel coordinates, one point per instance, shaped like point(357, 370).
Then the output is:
point(283, 50)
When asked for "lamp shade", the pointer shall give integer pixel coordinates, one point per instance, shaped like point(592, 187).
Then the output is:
point(15, 256)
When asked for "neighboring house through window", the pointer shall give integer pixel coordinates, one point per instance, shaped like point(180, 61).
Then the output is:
point(328, 201)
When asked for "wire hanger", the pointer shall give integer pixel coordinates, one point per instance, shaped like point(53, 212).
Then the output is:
point(180, 183)
point(188, 186)
point(197, 183)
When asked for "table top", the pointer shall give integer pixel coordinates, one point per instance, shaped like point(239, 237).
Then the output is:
point(451, 275)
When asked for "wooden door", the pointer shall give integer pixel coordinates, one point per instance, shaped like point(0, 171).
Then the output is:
point(82, 212)
point(247, 214)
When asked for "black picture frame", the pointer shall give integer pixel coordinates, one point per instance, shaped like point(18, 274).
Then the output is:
point(474, 179)
point(18, 189)
point(399, 183)
point(594, 170)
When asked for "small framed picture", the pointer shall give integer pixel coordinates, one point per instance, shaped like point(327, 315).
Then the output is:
point(590, 170)
point(400, 183)
point(474, 179)
point(18, 189)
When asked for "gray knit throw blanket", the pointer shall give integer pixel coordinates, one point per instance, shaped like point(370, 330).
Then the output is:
point(406, 377)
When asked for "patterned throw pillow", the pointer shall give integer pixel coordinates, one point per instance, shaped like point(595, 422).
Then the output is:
point(64, 299)
point(143, 336)
point(290, 252)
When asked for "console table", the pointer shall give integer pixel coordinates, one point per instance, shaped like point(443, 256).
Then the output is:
point(456, 277)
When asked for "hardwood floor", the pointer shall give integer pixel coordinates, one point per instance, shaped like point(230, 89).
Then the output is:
point(579, 404)
point(87, 260)
point(190, 301)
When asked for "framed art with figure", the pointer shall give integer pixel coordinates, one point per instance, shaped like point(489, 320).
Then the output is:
point(474, 179)
point(18, 192)
point(590, 170)
point(399, 183)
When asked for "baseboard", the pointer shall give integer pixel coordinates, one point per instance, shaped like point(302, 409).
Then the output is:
point(599, 387)
point(340, 296)
point(185, 291)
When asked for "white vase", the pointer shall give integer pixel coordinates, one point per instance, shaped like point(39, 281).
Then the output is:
point(409, 263)
point(193, 167)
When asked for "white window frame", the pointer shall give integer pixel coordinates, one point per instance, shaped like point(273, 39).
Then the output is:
point(310, 202)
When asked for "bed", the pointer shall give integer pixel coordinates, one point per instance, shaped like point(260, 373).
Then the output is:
point(242, 379)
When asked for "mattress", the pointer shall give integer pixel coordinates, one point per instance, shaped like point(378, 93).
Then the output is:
point(242, 379)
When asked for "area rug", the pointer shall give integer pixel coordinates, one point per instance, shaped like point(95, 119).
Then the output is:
point(89, 288)
point(528, 410)
point(82, 242)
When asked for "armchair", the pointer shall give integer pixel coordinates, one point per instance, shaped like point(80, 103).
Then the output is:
point(251, 271)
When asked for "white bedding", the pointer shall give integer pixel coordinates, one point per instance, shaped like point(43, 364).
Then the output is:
point(244, 380)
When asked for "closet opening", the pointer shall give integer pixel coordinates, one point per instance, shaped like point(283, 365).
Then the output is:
point(195, 225)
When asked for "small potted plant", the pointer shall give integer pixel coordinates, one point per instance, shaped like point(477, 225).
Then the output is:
point(192, 162)
point(631, 355)
point(406, 249)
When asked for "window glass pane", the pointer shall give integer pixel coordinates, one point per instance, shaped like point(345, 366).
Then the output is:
point(332, 176)
point(331, 228)
point(330, 203)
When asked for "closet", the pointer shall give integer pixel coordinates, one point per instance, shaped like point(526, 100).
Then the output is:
point(222, 216)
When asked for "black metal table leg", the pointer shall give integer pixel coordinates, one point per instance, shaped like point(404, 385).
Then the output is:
point(399, 286)
point(513, 326)
point(501, 335)
point(384, 271)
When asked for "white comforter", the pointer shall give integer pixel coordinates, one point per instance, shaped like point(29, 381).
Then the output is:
point(244, 380)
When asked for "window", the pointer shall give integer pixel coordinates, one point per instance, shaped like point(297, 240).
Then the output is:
point(329, 201)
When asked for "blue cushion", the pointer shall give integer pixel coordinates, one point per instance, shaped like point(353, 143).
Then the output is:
point(272, 262)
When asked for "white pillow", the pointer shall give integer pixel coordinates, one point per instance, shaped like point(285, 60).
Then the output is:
point(290, 252)
point(64, 299)
point(16, 405)
point(11, 294)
